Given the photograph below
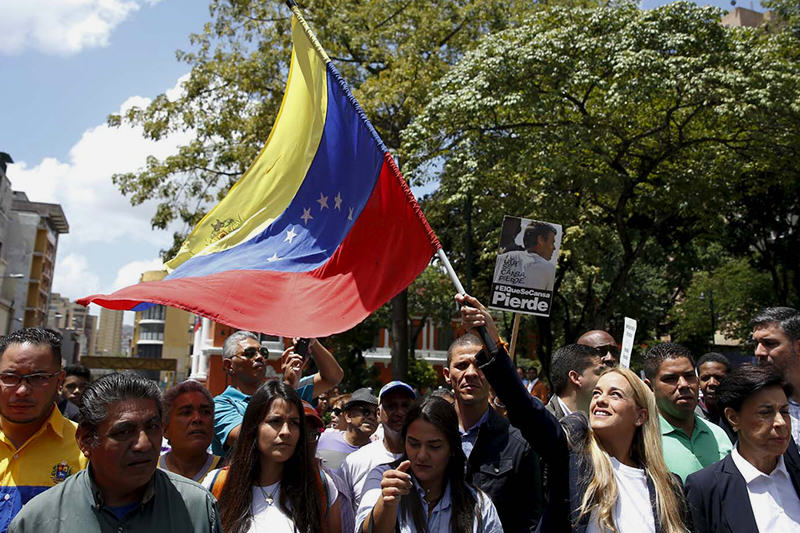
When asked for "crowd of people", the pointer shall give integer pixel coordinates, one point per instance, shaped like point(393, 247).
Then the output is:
point(690, 445)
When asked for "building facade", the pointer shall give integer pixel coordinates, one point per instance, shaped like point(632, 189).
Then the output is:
point(30, 242)
point(109, 334)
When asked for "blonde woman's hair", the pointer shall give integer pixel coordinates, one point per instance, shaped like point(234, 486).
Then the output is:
point(601, 494)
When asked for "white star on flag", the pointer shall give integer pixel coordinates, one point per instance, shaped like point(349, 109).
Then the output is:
point(323, 201)
point(350, 215)
point(337, 202)
point(306, 215)
point(273, 258)
point(290, 235)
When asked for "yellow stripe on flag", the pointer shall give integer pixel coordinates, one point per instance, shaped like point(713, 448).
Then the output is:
point(272, 181)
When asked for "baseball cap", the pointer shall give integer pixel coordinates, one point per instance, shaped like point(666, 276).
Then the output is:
point(362, 395)
point(395, 385)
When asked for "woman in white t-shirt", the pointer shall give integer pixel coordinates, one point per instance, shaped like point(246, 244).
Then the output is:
point(272, 484)
point(425, 490)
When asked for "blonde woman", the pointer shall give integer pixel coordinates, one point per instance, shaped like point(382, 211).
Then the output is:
point(606, 474)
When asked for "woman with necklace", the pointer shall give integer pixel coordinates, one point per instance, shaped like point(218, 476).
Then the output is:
point(272, 484)
point(425, 490)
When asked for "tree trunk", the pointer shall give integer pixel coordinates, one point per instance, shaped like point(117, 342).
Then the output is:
point(400, 336)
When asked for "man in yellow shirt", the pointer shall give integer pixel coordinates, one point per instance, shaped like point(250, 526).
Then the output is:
point(37, 444)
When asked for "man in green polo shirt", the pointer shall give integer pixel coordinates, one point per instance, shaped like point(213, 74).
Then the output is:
point(689, 443)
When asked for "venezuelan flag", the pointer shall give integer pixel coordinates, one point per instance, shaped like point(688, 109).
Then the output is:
point(320, 231)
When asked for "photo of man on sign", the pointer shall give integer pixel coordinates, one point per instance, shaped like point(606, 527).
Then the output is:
point(526, 266)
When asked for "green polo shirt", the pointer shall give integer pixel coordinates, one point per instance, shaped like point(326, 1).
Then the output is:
point(685, 455)
point(171, 504)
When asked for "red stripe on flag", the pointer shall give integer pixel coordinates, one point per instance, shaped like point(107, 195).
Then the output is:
point(387, 247)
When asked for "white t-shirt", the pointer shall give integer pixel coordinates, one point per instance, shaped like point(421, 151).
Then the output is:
point(357, 465)
point(270, 517)
point(633, 512)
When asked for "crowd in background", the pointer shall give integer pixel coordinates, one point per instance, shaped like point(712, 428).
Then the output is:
point(687, 445)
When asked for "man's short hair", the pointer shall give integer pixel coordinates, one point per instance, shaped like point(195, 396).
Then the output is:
point(660, 353)
point(113, 388)
point(78, 370)
point(467, 339)
point(534, 231)
point(571, 357)
point(231, 344)
point(714, 357)
point(787, 318)
point(37, 336)
point(184, 387)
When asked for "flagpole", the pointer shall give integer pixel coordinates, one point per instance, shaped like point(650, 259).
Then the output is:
point(306, 28)
point(491, 345)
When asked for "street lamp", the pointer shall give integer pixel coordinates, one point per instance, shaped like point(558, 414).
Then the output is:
point(713, 314)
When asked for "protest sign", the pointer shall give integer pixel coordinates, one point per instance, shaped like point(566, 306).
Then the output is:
point(526, 266)
point(627, 342)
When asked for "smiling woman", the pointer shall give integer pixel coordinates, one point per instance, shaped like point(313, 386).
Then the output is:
point(605, 474)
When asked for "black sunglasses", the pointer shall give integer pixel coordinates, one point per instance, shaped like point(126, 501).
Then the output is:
point(252, 351)
point(337, 411)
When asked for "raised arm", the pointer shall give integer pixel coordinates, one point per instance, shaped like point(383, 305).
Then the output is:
point(330, 373)
point(525, 412)
point(538, 426)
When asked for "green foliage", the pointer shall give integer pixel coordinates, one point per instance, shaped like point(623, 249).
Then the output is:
point(389, 51)
point(629, 127)
point(421, 375)
point(730, 294)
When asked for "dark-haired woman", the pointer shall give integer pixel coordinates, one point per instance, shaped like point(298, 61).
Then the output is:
point(272, 484)
point(425, 490)
point(757, 487)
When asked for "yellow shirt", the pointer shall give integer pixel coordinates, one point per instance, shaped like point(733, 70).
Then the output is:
point(47, 458)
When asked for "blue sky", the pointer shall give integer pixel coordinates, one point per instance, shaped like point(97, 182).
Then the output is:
point(65, 66)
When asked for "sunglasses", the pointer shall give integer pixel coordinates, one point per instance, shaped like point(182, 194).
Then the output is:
point(365, 411)
point(252, 351)
point(337, 411)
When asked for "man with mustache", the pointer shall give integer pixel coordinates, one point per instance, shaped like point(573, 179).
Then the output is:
point(244, 359)
point(121, 490)
point(394, 400)
point(37, 444)
point(361, 414)
point(189, 427)
point(689, 442)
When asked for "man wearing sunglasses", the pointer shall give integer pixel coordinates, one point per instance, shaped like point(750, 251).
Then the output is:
point(605, 345)
point(244, 359)
point(361, 414)
point(37, 444)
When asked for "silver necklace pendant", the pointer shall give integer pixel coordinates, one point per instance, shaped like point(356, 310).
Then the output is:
point(269, 499)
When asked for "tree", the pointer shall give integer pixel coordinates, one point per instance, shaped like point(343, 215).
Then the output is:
point(626, 126)
point(720, 300)
point(390, 52)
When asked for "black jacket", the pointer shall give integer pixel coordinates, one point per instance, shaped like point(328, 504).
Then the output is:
point(718, 498)
point(568, 468)
point(503, 465)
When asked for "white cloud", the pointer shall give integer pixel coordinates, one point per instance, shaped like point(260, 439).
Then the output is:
point(73, 278)
point(129, 274)
point(61, 27)
point(105, 231)
point(95, 209)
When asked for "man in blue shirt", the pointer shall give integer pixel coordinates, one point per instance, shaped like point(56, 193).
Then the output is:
point(244, 359)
